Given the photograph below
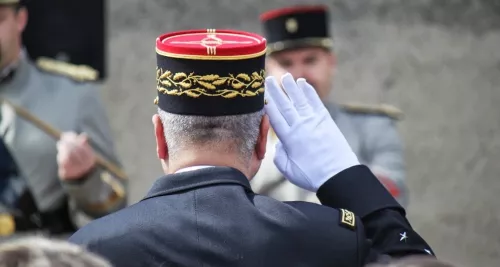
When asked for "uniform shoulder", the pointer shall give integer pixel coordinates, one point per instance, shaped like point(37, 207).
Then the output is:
point(382, 109)
point(103, 228)
point(79, 73)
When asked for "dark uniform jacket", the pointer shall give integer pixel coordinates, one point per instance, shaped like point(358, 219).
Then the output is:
point(211, 217)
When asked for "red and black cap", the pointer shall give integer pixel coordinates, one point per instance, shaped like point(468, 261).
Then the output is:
point(210, 72)
point(297, 27)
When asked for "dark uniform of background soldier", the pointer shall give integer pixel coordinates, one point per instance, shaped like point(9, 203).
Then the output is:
point(299, 41)
point(211, 136)
point(47, 186)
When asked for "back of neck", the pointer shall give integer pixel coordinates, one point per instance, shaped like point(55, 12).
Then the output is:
point(188, 158)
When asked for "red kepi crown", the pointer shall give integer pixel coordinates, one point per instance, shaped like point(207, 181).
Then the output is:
point(210, 72)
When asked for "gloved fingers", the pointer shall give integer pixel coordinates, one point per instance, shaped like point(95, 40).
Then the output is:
point(281, 100)
point(296, 94)
point(278, 122)
point(311, 95)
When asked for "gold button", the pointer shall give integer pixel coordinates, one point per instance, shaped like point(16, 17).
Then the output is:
point(291, 25)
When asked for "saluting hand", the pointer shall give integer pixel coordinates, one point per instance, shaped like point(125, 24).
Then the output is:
point(311, 148)
point(75, 157)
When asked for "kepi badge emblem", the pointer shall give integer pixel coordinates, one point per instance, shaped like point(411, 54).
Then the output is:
point(291, 25)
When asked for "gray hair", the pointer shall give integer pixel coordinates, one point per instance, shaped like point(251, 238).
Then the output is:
point(42, 252)
point(225, 133)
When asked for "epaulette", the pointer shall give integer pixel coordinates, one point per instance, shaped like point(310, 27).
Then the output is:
point(382, 109)
point(79, 73)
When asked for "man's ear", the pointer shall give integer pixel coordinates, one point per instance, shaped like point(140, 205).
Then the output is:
point(161, 143)
point(332, 59)
point(22, 19)
point(260, 147)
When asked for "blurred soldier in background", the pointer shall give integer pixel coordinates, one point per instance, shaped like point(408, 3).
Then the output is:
point(299, 42)
point(82, 39)
point(46, 186)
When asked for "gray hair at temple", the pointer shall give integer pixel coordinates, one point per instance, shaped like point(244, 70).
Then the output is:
point(41, 252)
point(414, 261)
point(234, 133)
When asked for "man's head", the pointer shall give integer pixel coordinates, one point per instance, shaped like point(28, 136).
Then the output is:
point(13, 19)
point(210, 100)
point(299, 41)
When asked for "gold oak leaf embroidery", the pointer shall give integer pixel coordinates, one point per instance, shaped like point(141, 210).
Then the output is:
point(193, 85)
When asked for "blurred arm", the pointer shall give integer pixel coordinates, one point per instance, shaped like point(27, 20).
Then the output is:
point(98, 193)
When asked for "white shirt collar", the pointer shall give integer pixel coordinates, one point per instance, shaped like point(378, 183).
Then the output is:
point(192, 168)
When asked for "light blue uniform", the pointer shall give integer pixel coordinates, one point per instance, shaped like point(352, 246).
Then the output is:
point(67, 105)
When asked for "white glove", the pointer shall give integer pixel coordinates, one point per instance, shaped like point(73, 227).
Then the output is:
point(311, 149)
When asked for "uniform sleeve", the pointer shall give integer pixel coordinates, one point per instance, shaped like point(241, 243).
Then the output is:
point(385, 155)
point(99, 193)
point(357, 190)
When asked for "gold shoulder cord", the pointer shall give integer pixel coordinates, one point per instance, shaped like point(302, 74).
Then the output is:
point(76, 72)
point(383, 109)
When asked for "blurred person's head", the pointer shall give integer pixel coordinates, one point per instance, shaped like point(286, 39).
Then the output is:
point(42, 252)
point(13, 19)
point(210, 100)
point(414, 261)
point(299, 41)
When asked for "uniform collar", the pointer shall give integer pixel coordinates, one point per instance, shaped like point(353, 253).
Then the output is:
point(201, 176)
point(7, 73)
point(16, 74)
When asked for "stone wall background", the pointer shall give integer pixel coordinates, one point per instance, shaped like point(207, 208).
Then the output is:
point(439, 61)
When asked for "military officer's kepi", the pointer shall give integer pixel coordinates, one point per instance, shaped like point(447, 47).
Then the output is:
point(296, 27)
point(210, 72)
